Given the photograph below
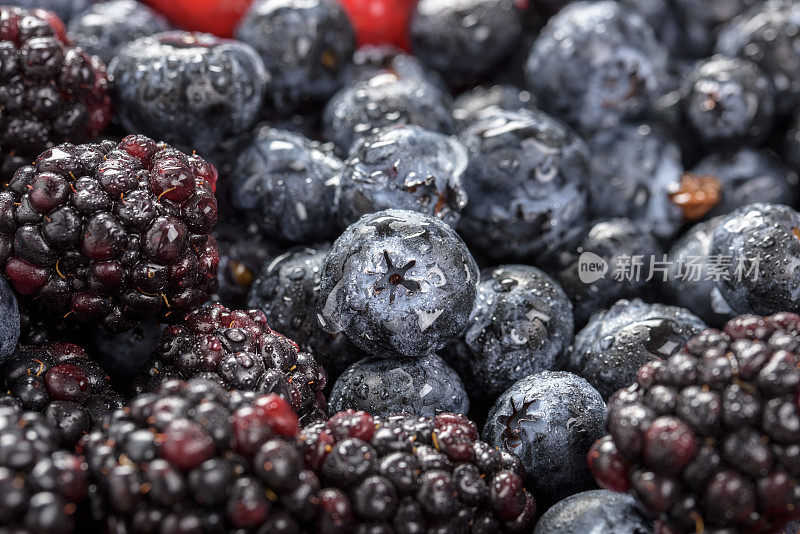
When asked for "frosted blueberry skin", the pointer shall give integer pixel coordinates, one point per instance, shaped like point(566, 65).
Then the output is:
point(424, 386)
point(399, 283)
point(597, 64)
point(473, 104)
point(594, 512)
point(633, 168)
point(9, 321)
point(286, 184)
point(690, 287)
point(763, 236)
point(521, 324)
point(403, 167)
point(527, 176)
point(192, 90)
point(372, 60)
point(304, 44)
point(702, 20)
point(549, 420)
point(616, 342)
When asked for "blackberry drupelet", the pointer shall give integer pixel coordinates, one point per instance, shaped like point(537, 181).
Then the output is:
point(60, 381)
point(50, 91)
point(41, 484)
point(406, 474)
point(110, 234)
point(238, 350)
point(593, 512)
point(710, 438)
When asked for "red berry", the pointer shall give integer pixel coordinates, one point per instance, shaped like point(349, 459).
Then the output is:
point(381, 21)
point(219, 17)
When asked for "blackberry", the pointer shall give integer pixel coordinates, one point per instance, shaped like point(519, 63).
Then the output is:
point(594, 511)
point(527, 174)
point(397, 282)
point(304, 45)
point(403, 167)
point(286, 289)
point(404, 473)
point(383, 100)
point(106, 27)
point(50, 91)
point(521, 324)
point(464, 39)
point(372, 60)
point(549, 419)
point(42, 484)
point(193, 90)
point(709, 437)
point(617, 341)
point(422, 386)
point(60, 381)
point(473, 104)
point(286, 184)
point(238, 350)
point(109, 234)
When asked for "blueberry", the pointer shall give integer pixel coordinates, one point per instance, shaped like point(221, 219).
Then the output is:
point(464, 39)
point(398, 282)
point(124, 354)
point(634, 168)
point(65, 9)
point(371, 60)
point(486, 99)
point(304, 45)
point(104, 28)
point(549, 420)
point(617, 243)
point(9, 321)
point(592, 512)
point(286, 289)
point(702, 20)
point(682, 38)
point(382, 386)
point(521, 324)
point(404, 167)
point(689, 284)
point(616, 342)
point(527, 173)
point(188, 89)
point(791, 149)
point(286, 185)
point(383, 100)
point(729, 102)
point(597, 64)
point(760, 244)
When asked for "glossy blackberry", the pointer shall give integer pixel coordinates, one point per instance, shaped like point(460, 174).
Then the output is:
point(193, 90)
point(521, 324)
point(473, 104)
point(729, 102)
point(42, 484)
point(710, 436)
point(404, 474)
point(464, 39)
point(617, 341)
point(421, 386)
point(286, 289)
point(403, 167)
point(597, 65)
point(767, 34)
point(371, 60)
point(50, 91)
point(594, 511)
point(61, 382)
point(238, 350)
point(195, 458)
point(304, 45)
point(398, 282)
point(383, 100)
point(109, 234)
point(549, 419)
point(286, 184)
point(635, 170)
point(106, 27)
point(762, 245)
point(527, 174)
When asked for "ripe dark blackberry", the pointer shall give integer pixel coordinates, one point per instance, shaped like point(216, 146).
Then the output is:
point(195, 458)
point(711, 436)
point(50, 91)
point(41, 484)
point(60, 381)
point(109, 234)
point(404, 474)
point(238, 350)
